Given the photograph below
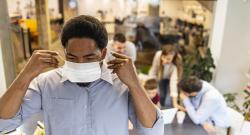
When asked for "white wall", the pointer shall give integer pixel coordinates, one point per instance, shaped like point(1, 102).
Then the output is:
point(171, 8)
point(115, 8)
point(231, 45)
point(53, 4)
point(12, 5)
point(2, 76)
point(175, 9)
point(218, 29)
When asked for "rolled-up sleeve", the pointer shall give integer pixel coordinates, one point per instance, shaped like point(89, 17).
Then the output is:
point(157, 129)
point(208, 105)
point(31, 104)
point(7, 125)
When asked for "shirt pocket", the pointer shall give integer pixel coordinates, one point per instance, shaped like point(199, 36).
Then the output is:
point(61, 112)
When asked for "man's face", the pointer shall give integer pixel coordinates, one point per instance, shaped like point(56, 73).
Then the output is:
point(83, 50)
point(119, 47)
point(192, 94)
point(166, 59)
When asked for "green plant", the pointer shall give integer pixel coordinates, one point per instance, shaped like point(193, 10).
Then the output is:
point(231, 97)
point(246, 105)
point(187, 65)
point(144, 69)
point(200, 65)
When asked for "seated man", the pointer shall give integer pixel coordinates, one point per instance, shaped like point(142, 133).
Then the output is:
point(82, 97)
point(120, 45)
point(204, 105)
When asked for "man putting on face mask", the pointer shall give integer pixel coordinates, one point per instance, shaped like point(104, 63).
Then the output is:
point(83, 97)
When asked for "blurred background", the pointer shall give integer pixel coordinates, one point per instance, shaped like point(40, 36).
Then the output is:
point(211, 35)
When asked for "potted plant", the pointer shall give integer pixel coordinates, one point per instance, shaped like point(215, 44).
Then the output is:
point(246, 104)
point(200, 65)
point(245, 108)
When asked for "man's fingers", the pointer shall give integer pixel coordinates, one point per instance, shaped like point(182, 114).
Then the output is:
point(117, 61)
point(50, 60)
point(115, 71)
point(49, 65)
point(117, 55)
point(46, 55)
point(47, 52)
point(115, 66)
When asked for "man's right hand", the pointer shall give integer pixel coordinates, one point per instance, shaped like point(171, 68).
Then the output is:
point(209, 128)
point(40, 60)
point(12, 99)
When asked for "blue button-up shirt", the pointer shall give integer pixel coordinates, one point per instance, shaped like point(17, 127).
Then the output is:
point(208, 106)
point(101, 108)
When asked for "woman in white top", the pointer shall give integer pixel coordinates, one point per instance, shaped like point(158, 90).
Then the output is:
point(167, 67)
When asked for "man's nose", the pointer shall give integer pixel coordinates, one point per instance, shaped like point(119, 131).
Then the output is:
point(80, 60)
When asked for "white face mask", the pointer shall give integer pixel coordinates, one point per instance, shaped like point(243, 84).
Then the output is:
point(82, 72)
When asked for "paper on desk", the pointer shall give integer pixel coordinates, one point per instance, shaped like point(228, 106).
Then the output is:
point(168, 115)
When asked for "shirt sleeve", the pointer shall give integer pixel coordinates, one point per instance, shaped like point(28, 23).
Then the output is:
point(157, 129)
point(173, 83)
point(203, 113)
point(155, 65)
point(131, 50)
point(31, 105)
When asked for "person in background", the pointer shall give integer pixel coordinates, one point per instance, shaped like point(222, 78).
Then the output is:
point(151, 87)
point(82, 97)
point(120, 45)
point(167, 68)
point(205, 105)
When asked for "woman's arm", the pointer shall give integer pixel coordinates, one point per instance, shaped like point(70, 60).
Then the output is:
point(176, 105)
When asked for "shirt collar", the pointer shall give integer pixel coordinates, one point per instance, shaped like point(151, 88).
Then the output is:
point(106, 74)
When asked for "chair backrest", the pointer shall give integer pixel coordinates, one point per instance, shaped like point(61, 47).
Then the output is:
point(246, 128)
point(236, 121)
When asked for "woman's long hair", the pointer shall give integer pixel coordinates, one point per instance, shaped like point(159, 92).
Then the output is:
point(177, 60)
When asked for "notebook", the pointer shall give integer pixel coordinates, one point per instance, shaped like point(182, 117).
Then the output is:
point(168, 115)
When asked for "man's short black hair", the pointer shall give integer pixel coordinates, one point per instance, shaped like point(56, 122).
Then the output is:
point(85, 26)
point(190, 84)
point(119, 37)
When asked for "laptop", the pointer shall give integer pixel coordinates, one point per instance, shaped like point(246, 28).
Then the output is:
point(168, 115)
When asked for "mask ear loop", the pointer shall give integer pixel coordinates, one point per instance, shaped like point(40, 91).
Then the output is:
point(61, 60)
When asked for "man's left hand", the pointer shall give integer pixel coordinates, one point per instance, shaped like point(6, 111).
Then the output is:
point(124, 68)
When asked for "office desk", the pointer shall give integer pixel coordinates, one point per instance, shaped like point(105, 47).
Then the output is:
point(187, 128)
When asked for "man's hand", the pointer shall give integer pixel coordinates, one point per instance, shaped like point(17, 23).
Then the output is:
point(12, 99)
point(209, 128)
point(181, 108)
point(40, 60)
point(124, 68)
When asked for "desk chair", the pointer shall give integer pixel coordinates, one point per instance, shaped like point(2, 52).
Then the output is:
point(236, 122)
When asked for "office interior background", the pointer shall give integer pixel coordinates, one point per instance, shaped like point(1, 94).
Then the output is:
point(222, 26)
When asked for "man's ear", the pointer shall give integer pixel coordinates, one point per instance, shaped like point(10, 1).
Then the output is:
point(103, 53)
